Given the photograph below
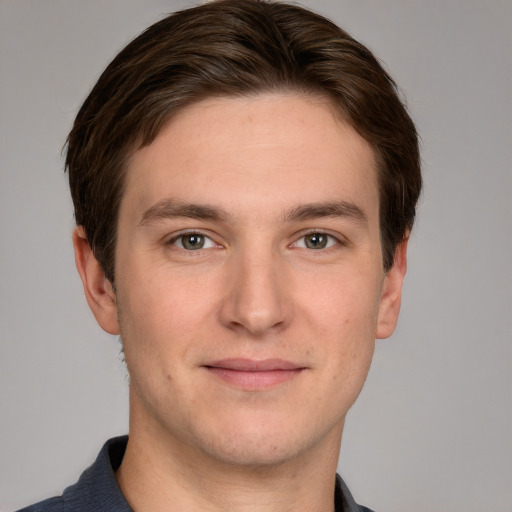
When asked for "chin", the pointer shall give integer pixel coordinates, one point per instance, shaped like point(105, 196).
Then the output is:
point(262, 444)
point(255, 453)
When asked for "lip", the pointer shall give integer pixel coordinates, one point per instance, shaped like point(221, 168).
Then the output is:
point(253, 375)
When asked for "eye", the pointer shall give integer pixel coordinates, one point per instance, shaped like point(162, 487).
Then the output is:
point(192, 242)
point(316, 241)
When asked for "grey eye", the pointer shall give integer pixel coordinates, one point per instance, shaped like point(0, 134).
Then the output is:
point(192, 241)
point(316, 241)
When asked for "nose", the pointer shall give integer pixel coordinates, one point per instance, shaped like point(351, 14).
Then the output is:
point(256, 299)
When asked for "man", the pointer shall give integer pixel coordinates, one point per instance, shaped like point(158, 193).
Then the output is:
point(244, 179)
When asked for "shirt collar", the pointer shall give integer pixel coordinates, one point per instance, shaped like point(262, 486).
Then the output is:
point(97, 488)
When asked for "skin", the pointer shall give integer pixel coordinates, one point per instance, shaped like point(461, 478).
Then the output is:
point(207, 438)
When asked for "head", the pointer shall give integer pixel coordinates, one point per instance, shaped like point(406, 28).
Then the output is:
point(234, 48)
point(245, 178)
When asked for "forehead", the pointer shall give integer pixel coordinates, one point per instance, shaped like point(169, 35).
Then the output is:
point(270, 151)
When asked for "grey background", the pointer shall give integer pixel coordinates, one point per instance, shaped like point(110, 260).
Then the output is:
point(432, 430)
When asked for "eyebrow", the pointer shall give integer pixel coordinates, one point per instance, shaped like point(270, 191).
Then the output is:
point(330, 209)
point(169, 209)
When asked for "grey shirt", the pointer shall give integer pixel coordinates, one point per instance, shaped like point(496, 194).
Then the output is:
point(97, 489)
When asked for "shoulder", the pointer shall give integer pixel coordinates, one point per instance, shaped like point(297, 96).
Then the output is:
point(96, 490)
point(56, 504)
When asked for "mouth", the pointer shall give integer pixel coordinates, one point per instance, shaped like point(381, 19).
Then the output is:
point(253, 375)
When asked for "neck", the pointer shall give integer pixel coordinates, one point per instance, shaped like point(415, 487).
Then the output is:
point(159, 473)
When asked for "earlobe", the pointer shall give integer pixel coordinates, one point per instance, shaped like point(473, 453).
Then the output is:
point(391, 296)
point(97, 288)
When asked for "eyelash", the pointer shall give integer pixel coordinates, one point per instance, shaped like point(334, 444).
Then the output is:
point(183, 235)
point(332, 241)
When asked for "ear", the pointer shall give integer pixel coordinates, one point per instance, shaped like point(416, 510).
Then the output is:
point(97, 288)
point(391, 296)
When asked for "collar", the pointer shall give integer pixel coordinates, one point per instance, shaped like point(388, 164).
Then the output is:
point(97, 488)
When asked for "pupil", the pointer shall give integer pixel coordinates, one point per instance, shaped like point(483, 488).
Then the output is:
point(193, 241)
point(316, 241)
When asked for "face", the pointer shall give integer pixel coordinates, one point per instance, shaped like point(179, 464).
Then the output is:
point(249, 278)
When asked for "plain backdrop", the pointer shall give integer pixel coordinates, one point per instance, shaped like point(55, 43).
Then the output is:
point(432, 430)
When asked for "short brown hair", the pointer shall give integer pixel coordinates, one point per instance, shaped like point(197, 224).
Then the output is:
point(235, 48)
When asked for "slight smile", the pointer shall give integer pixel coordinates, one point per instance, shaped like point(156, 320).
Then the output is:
point(252, 375)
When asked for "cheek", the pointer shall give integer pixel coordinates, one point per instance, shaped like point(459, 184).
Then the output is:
point(155, 343)
point(351, 345)
point(343, 302)
point(343, 318)
point(159, 317)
